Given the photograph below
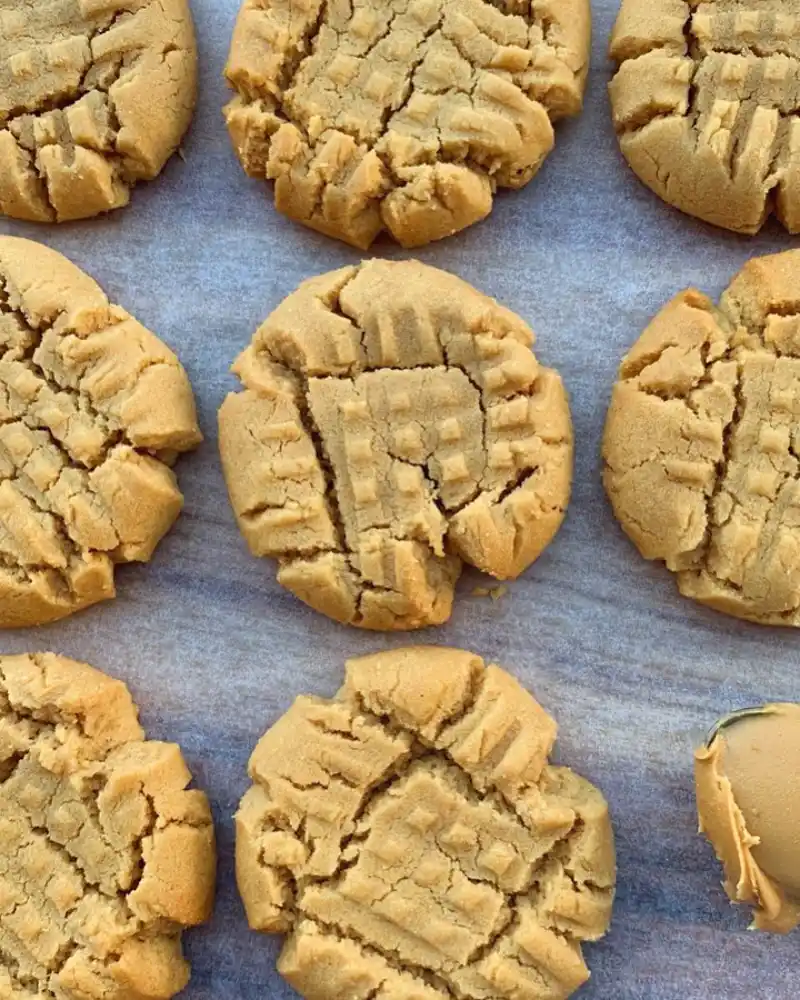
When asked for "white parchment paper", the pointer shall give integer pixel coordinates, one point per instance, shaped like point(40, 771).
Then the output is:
point(214, 650)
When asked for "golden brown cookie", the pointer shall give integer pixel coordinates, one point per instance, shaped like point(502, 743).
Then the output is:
point(702, 443)
point(402, 116)
point(95, 95)
point(105, 856)
point(748, 796)
point(705, 104)
point(414, 843)
point(393, 423)
point(93, 411)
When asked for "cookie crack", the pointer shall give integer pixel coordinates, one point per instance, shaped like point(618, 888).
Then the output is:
point(419, 749)
point(722, 470)
point(47, 717)
point(349, 846)
point(506, 927)
point(643, 120)
point(513, 902)
point(304, 49)
point(25, 981)
point(62, 101)
point(9, 765)
point(783, 310)
point(327, 467)
point(389, 956)
point(277, 106)
point(333, 502)
point(701, 555)
point(757, 510)
point(408, 83)
point(423, 465)
point(89, 887)
point(35, 335)
point(749, 94)
point(98, 77)
point(692, 101)
point(298, 883)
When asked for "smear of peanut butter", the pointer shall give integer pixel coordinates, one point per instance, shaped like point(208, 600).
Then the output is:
point(748, 803)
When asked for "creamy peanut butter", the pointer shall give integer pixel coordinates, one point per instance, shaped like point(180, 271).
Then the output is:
point(748, 803)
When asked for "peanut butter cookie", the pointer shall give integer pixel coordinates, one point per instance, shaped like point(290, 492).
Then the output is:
point(706, 102)
point(405, 115)
point(393, 423)
point(702, 443)
point(413, 841)
point(105, 856)
point(93, 410)
point(95, 95)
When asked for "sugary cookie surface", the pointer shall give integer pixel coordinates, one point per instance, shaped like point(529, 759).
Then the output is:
point(95, 95)
point(93, 410)
point(393, 423)
point(415, 844)
point(105, 856)
point(702, 449)
point(705, 103)
point(404, 115)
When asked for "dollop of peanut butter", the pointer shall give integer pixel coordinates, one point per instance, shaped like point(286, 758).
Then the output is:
point(748, 803)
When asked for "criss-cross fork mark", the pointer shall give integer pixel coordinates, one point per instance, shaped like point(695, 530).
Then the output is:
point(440, 850)
point(403, 117)
point(707, 109)
point(397, 433)
point(80, 438)
point(714, 400)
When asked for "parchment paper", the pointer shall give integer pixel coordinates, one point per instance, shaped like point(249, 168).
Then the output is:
point(214, 650)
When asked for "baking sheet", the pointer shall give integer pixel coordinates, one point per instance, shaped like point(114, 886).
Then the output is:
point(214, 650)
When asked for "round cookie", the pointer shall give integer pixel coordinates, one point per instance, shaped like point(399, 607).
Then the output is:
point(95, 95)
point(413, 841)
point(403, 116)
point(105, 856)
point(701, 443)
point(705, 102)
point(93, 411)
point(748, 790)
point(393, 423)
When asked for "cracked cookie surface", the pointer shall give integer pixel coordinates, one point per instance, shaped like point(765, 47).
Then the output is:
point(705, 102)
point(393, 423)
point(95, 95)
point(105, 854)
point(702, 447)
point(414, 843)
point(93, 411)
point(402, 116)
